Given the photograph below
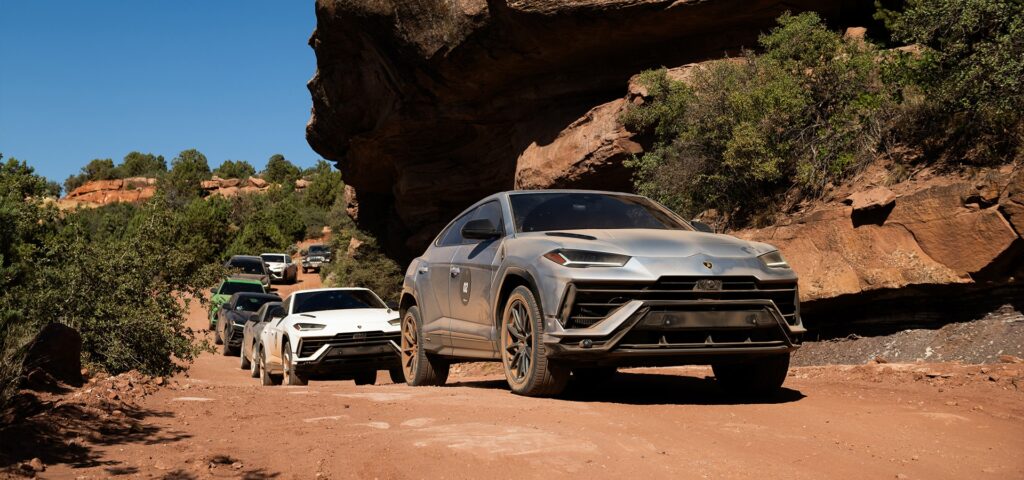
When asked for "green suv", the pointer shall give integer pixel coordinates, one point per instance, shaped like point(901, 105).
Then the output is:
point(223, 292)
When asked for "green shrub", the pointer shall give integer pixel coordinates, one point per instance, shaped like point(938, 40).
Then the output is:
point(280, 170)
point(182, 183)
point(235, 169)
point(972, 74)
point(741, 133)
point(367, 267)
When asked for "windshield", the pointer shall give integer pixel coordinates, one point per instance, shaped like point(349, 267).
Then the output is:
point(544, 212)
point(335, 300)
point(247, 265)
point(229, 288)
point(273, 258)
point(317, 250)
point(251, 304)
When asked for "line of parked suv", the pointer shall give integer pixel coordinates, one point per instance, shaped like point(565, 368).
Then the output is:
point(326, 333)
point(556, 285)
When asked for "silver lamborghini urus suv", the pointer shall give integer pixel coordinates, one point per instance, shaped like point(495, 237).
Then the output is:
point(560, 283)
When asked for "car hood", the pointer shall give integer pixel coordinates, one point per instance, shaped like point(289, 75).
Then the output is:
point(276, 265)
point(347, 321)
point(241, 316)
point(649, 243)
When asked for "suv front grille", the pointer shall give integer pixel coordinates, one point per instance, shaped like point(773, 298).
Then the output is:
point(589, 302)
point(309, 346)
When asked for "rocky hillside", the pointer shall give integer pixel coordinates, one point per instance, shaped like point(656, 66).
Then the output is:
point(131, 190)
point(429, 105)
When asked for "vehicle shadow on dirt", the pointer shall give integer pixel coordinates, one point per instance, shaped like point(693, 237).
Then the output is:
point(631, 388)
point(60, 432)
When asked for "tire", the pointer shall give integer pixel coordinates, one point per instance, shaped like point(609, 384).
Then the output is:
point(216, 336)
point(759, 377)
point(243, 361)
point(397, 375)
point(527, 368)
point(366, 378)
point(304, 270)
point(225, 348)
point(419, 367)
point(593, 376)
point(265, 377)
point(291, 377)
point(254, 366)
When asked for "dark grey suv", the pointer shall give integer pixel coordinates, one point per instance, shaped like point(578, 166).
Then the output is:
point(556, 283)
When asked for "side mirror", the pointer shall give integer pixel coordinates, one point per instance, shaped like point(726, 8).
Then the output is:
point(392, 304)
point(480, 229)
point(213, 290)
point(701, 226)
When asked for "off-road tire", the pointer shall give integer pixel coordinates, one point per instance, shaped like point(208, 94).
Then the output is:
point(225, 348)
point(536, 375)
point(397, 375)
point(762, 376)
point(418, 366)
point(254, 367)
point(243, 362)
point(366, 378)
point(265, 377)
point(291, 377)
point(216, 334)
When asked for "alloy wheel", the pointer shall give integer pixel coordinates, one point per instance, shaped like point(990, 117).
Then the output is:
point(410, 343)
point(518, 343)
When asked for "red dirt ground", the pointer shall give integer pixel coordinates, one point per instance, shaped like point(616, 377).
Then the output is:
point(928, 421)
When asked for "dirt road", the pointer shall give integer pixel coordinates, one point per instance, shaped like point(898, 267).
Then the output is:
point(882, 421)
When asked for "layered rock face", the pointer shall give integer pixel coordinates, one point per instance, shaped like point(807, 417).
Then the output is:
point(429, 105)
point(933, 231)
point(139, 189)
point(105, 192)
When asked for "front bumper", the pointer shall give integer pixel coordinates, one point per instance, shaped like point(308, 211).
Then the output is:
point(643, 332)
point(233, 336)
point(347, 353)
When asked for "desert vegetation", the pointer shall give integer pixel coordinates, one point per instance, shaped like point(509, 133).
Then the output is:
point(122, 274)
point(751, 136)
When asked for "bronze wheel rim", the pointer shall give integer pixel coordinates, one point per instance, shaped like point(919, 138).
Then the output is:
point(410, 343)
point(255, 363)
point(517, 350)
point(288, 365)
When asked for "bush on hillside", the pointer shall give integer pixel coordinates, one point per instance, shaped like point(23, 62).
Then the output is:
point(183, 182)
point(367, 267)
point(235, 169)
point(279, 170)
point(741, 133)
point(135, 164)
point(972, 74)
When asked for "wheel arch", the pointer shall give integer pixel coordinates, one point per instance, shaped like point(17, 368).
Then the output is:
point(407, 300)
point(514, 277)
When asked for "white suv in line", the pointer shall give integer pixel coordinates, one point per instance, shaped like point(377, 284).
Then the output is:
point(336, 333)
point(281, 267)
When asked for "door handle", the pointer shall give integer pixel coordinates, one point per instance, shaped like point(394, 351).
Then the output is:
point(423, 270)
point(455, 271)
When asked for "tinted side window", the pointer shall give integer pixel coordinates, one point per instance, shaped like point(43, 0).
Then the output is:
point(453, 235)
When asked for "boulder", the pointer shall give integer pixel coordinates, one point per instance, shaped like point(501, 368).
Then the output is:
point(56, 351)
point(257, 182)
point(301, 183)
point(872, 199)
point(96, 186)
point(210, 184)
point(587, 154)
point(230, 182)
point(428, 106)
point(353, 247)
point(227, 192)
point(249, 189)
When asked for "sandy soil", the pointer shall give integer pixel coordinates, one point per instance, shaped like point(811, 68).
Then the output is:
point(872, 421)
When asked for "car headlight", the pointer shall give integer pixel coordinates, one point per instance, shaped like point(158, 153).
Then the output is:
point(583, 258)
point(395, 322)
point(308, 326)
point(774, 260)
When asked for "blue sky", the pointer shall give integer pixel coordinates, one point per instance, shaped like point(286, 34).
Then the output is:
point(97, 79)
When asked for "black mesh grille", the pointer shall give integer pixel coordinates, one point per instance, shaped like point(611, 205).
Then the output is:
point(309, 346)
point(590, 302)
